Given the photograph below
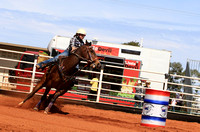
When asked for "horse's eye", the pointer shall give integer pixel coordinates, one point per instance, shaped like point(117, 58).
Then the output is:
point(91, 47)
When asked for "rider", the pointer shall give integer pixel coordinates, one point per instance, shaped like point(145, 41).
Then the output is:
point(75, 42)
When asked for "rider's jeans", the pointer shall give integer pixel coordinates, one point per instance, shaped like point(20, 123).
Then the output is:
point(65, 53)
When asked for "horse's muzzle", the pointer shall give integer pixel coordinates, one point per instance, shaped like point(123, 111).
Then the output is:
point(96, 64)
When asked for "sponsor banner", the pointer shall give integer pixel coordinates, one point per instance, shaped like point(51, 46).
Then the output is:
point(104, 50)
point(134, 64)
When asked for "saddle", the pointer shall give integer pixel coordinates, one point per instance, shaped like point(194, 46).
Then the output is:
point(61, 66)
point(60, 60)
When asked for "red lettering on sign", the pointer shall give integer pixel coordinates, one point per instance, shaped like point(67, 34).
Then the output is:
point(104, 50)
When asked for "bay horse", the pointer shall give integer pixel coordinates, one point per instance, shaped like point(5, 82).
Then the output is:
point(59, 76)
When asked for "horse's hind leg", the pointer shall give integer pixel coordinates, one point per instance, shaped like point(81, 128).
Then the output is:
point(37, 87)
point(56, 95)
point(44, 96)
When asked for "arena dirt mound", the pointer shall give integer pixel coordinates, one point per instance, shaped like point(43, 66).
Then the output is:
point(31, 103)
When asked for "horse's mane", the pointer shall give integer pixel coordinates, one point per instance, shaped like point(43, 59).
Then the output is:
point(68, 64)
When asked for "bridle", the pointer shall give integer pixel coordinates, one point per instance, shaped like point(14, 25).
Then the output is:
point(90, 60)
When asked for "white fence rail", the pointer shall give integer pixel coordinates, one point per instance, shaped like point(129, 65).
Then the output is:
point(105, 93)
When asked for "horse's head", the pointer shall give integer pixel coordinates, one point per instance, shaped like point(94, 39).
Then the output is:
point(92, 56)
point(88, 53)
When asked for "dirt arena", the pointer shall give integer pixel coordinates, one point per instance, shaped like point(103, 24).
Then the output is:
point(71, 117)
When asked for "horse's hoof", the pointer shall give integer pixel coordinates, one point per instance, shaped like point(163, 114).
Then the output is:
point(46, 111)
point(36, 108)
point(20, 104)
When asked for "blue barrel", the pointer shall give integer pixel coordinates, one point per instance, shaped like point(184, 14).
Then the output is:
point(155, 108)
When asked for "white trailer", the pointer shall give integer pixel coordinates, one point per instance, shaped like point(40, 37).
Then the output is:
point(152, 60)
point(58, 42)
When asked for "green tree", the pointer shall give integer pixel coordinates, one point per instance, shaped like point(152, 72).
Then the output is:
point(132, 43)
point(195, 73)
point(175, 69)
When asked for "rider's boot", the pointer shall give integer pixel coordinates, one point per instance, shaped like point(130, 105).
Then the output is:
point(41, 66)
point(44, 64)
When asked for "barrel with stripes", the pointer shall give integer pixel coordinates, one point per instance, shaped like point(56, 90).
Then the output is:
point(155, 108)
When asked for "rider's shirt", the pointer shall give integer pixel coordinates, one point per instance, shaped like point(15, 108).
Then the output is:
point(75, 42)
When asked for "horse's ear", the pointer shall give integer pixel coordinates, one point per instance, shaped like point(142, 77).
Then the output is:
point(88, 43)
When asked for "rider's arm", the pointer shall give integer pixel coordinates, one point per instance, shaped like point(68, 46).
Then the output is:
point(73, 48)
point(74, 44)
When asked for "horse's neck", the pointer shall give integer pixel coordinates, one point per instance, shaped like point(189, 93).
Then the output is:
point(73, 60)
point(70, 63)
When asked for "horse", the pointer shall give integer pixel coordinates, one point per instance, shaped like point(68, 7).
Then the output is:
point(60, 76)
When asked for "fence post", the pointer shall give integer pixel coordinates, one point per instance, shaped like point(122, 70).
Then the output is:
point(166, 81)
point(33, 74)
point(100, 83)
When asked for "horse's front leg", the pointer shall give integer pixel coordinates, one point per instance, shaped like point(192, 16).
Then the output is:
point(57, 94)
point(44, 96)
